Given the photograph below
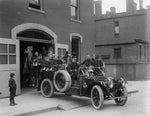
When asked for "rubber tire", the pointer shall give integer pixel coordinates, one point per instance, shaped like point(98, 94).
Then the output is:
point(101, 97)
point(124, 101)
point(51, 85)
point(68, 81)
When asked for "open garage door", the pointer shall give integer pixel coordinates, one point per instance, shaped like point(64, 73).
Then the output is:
point(9, 62)
point(31, 41)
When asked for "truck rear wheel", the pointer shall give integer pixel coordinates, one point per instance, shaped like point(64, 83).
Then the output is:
point(62, 81)
point(97, 97)
point(47, 88)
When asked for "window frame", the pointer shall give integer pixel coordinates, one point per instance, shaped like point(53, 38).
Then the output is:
point(61, 47)
point(145, 52)
point(116, 56)
point(62, 53)
point(40, 10)
point(77, 11)
point(116, 28)
point(8, 54)
point(140, 52)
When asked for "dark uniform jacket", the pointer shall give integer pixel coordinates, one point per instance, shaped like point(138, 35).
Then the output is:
point(73, 70)
point(98, 63)
point(12, 86)
point(88, 62)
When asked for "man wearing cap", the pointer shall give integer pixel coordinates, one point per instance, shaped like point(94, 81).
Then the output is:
point(73, 69)
point(12, 89)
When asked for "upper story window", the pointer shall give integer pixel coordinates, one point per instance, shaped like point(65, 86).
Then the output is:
point(74, 9)
point(116, 24)
point(117, 53)
point(35, 4)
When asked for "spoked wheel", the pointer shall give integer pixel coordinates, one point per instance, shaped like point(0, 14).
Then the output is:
point(62, 81)
point(122, 101)
point(97, 97)
point(47, 88)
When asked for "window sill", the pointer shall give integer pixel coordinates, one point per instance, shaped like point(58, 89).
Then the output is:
point(116, 36)
point(77, 21)
point(117, 58)
point(36, 10)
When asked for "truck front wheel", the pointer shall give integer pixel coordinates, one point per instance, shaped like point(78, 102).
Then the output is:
point(47, 88)
point(97, 97)
point(122, 101)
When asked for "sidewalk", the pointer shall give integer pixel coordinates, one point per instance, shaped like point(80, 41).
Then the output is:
point(32, 102)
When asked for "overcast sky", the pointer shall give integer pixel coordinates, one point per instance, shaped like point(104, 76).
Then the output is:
point(119, 4)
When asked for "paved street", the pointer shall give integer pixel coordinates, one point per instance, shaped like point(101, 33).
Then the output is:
point(31, 102)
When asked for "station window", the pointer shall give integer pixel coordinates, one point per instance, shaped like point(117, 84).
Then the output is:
point(116, 24)
point(61, 52)
point(35, 4)
point(74, 6)
point(117, 53)
point(140, 52)
point(145, 53)
point(7, 54)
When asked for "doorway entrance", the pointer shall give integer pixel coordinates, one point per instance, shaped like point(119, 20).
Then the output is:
point(31, 41)
point(76, 47)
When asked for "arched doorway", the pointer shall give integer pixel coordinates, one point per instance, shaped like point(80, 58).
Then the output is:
point(33, 37)
point(32, 41)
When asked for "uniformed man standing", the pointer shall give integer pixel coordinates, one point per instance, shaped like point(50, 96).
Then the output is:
point(34, 69)
point(12, 89)
point(73, 69)
point(88, 62)
point(100, 63)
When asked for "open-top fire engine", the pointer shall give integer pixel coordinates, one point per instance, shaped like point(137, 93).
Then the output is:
point(91, 82)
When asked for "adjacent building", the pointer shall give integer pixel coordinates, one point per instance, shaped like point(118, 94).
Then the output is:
point(122, 41)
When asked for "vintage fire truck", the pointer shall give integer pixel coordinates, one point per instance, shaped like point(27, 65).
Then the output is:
point(91, 82)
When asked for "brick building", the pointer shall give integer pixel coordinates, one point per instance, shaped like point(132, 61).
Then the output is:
point(64, 25)
point(122, 41)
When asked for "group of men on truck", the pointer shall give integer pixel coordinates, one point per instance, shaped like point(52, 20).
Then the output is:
point(90, 61)
point(73, 65)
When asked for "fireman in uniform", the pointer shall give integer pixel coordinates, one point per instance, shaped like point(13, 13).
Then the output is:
point(88, 62)
point(100, 63)
point(73, 69)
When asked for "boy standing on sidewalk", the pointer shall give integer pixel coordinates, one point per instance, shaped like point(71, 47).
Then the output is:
point(12, 89)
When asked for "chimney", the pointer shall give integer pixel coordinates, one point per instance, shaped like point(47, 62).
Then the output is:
point(131, 6)
point(108, 12)
point(134, 6)
point(98, 8)
point(141, 4)
point(113, 10)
